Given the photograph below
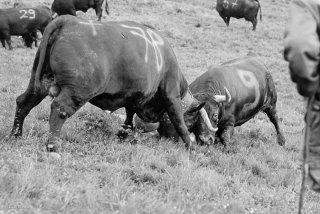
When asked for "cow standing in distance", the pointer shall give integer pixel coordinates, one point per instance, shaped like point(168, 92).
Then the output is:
point(31, 37)
point(23, 22)
point(111, 65)
point(234, 93)
point(64, 7)
point(247, 9)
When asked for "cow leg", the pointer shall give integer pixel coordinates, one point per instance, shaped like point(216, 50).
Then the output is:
point(127, 126)
point(62, 107)
point(8, 40)
point(129, 118)
point(174, 110)
point(227, 20)
point(226, 136)
point(3, 42)
point(25, 102)
point(35, 36)
point(254, 23)
point(98, 12)
point(272, 114)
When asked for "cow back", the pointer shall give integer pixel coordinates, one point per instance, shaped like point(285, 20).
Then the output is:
point(115, 63)
point(238, 8)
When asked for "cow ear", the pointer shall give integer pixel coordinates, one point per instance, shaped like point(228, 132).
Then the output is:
point(195, 107)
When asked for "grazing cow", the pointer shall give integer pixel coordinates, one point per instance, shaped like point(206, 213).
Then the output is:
point(234, 93)
point(31, 37)
point(111, 65)
point(23, 22)
point(64, 7)
point(247, 9)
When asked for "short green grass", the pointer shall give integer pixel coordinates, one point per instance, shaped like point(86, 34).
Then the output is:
point(100, 174)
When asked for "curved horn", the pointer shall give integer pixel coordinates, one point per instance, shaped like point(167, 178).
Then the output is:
point(206, 120)
point(220, 98)
point(228, 97)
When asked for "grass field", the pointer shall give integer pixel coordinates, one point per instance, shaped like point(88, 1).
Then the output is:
point(100, 174)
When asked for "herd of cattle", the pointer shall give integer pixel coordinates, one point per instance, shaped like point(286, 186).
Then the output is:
point(131, 65)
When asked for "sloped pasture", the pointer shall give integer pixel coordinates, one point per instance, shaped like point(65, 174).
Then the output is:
point(99, 173)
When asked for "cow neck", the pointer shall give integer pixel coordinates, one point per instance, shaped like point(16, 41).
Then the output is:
point(187, 100)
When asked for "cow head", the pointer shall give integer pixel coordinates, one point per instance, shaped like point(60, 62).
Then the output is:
point(193, 112)
point(214, 109)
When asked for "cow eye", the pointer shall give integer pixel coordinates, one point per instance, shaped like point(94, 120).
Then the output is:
point(215, 117)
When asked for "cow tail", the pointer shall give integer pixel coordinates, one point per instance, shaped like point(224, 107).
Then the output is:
point(50, 29)
point(260, 10)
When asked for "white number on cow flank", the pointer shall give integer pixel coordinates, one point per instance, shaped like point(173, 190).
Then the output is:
point(154, 40)
point(250, 81)
point(94, 31)
point(234, 3)
point(28, 14)
point(227, 2)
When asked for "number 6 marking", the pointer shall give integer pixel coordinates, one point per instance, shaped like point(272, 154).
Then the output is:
point(28, 14)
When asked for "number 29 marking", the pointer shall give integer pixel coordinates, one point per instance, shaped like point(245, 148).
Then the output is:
point(28, 14)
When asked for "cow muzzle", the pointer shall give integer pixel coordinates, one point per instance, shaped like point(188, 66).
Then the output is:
point(208, 139)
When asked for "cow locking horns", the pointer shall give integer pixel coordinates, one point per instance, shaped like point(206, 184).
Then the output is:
point(223, 98)
point(206, 120)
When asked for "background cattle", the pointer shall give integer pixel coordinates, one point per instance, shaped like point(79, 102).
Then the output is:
point(234, 93)
point(126, 65)
point(23, 22)
point(63, 7)
point(20, 5)
point(247, 9)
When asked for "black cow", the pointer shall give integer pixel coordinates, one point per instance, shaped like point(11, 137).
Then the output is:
point(23, 22)
point(111, 65)
point(247, 9)
point(234, 93)
point(64, 7)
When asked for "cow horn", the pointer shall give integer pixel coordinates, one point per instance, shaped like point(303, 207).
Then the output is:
point(206, 120)
point(228, 96)
point(220, 98)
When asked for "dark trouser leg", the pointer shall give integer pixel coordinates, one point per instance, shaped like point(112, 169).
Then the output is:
point(62, 107)
point(314, 147)
point(272, 114)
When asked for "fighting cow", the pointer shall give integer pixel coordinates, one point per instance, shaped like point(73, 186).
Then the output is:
point(111, 65)
point(23, 22)
point(64, 7)
point(234, 93)
point(247, 9)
